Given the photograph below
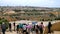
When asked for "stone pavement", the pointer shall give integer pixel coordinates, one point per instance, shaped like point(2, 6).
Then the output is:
point(55, 32)
point(10, 33)
point(13, 32)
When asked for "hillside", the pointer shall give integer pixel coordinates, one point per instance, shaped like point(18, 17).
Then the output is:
point(27, 8)
point(55, 27)
point(29, 12)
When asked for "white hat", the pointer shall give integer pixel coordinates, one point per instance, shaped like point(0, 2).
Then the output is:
point(3, 23)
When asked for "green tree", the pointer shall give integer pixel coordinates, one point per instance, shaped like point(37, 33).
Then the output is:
point(52, 15)
point(5, 21)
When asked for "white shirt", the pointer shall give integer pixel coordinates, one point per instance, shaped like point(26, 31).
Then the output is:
point(24, 27)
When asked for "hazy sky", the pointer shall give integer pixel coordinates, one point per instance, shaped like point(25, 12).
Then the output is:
point(40, 3)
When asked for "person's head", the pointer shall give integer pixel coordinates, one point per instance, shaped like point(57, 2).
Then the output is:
point(49, 22)
point(24, 24)
point(41, 22)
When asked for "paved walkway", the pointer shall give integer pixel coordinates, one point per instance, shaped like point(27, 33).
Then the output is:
point(10, 33)
point(55, 32)
point(14, 32)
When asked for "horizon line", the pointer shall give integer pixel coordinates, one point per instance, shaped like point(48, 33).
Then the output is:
point(32, 6)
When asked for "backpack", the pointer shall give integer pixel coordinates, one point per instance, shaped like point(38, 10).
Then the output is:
point(20, 25)
point(40, 27)
point(3, 26)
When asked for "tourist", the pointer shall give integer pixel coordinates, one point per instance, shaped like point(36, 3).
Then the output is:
point(10, 27)
point(33, 28)
point(41, 28)
point(0, 28)
point(3, 26)
point(36, 28)
point(49, 27)
point(29, 28)
point(24, 29)
point(17, 28)
point(20, 28)
point(14, 25)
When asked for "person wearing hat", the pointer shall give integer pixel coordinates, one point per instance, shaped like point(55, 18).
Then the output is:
point(3, 26)
point(36, 28)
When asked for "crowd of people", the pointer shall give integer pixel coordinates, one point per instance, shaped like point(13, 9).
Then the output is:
point(26, 28)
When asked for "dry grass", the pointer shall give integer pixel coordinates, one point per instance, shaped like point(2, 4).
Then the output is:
point(55, 27)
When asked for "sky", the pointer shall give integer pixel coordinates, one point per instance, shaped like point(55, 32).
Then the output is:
point(38, 3)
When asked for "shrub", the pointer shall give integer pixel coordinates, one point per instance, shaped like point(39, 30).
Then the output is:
point(57, 18)
point(5, 21)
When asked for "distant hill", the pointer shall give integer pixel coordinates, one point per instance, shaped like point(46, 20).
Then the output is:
point(29, 12)
point(27, 8)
